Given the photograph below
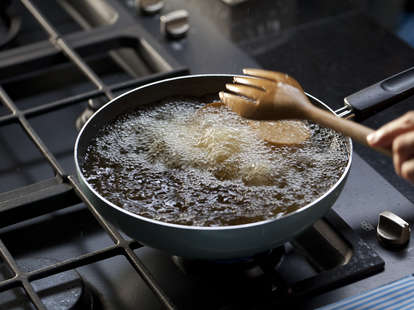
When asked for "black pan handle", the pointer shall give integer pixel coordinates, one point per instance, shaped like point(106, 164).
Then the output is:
point(382, 94)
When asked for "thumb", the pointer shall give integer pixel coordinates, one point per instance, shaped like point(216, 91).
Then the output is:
point(384, 136)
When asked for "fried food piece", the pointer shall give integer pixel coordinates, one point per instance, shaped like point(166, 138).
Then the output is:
point(214, 104)
point(284, 132)
point(280, 133)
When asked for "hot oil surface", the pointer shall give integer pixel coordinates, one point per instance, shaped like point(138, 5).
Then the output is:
point(177, 163)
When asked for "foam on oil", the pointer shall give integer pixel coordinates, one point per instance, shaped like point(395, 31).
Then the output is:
point(178, 164)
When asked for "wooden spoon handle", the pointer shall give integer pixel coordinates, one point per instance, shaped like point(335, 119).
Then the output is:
point(349, 128)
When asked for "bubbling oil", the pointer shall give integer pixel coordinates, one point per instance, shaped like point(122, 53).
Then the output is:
point(177, 163)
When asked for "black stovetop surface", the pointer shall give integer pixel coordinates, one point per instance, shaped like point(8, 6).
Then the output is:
point(333, 49)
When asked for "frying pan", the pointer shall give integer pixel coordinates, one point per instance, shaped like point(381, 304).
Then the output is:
point(192, 241)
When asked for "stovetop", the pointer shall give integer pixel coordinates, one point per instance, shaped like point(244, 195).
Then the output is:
point(47, 226)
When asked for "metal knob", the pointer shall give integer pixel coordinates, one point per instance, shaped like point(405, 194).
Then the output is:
point(93, 106)
point(393, 231)
point(150, 7)
point(233, 2)
point(175, 24)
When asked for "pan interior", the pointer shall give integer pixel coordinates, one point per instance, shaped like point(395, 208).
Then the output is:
point(175, 163)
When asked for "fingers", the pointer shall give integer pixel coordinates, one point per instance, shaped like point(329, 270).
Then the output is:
point(400, 135)
point(385, 136)
point(274, 76)
point(403, 155)
point(407, 170)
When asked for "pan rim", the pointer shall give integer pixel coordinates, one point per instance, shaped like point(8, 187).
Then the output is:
point(201, 228)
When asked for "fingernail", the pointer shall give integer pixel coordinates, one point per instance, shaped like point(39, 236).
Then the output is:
point(373, 137)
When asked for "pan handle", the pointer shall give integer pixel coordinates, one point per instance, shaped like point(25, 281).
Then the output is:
point(380, 95)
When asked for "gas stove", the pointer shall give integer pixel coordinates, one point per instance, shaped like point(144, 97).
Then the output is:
point(60, 61)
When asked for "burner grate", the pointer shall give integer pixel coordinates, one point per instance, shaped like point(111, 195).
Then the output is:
point(40, 198)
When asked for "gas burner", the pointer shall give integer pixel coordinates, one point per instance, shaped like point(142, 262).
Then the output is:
point(65, 290)
point(9, 24)
point(250, 266)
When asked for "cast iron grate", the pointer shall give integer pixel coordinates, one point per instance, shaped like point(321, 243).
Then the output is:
point(37, 199)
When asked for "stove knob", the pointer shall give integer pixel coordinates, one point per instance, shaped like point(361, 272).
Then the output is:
point(233, 2)
point(393, 231)
point(175, 24)
point(150, 7)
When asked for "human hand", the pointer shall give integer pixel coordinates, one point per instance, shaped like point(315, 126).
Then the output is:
point(398, 135)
